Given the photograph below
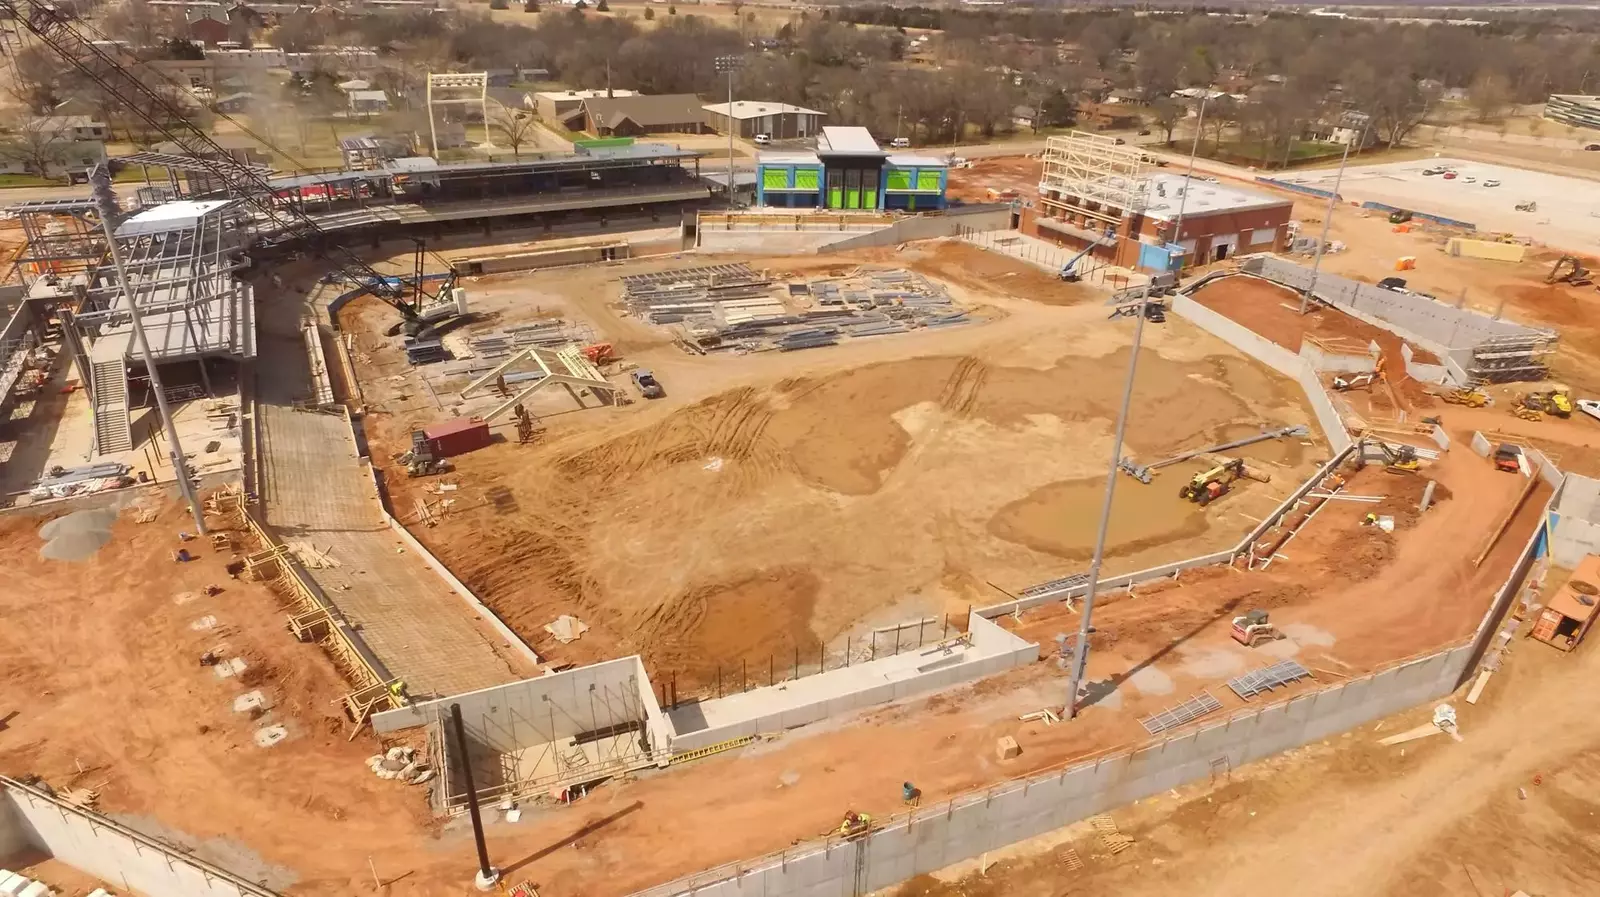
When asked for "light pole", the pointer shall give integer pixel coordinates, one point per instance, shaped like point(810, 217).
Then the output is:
point(1327, 222)
point(1080, 657)
point(728, 65)
point(1188, 178)
point(106, 203)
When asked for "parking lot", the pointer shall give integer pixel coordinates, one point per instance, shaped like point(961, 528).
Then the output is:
point(1568, 213)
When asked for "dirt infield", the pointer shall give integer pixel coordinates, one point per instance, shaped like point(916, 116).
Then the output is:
point(781, 503)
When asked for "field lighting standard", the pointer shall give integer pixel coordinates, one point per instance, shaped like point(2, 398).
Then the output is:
point(727, 65)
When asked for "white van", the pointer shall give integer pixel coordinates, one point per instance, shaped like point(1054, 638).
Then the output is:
point(901, 143)
point(763, 139)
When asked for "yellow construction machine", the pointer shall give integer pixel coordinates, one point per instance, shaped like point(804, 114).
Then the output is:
point(1557, 401)
point(1568, 269)
point(1529, 406)
point(1472, 398)
point(1210, 485)
point(1398, 458)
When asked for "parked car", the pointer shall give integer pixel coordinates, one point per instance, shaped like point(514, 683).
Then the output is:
point(1491, 183)
point(648, 386)
point(1396, 284)
point(762, 139)
point(1593, 148)
point(1430, 172)
point(1144, 132)
point(1449, 175)
point(1469, 180)
point(900, 143)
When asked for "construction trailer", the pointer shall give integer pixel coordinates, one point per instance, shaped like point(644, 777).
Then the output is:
point(1566, 618)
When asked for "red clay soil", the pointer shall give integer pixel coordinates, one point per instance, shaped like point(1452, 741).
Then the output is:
point(1273, 312)
point(309, 804)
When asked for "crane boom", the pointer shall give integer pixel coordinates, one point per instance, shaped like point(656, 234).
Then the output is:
point(285, 223)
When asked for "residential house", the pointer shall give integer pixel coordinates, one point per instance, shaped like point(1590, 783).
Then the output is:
point(1345, 129)
point(191, 72)
point(368, 102)
point(780, 121)
point(72, 128)
point(677, 113)
point(564, 105)
point(1026, 117)
point(234, 102)
point(513, 98)
point(208, 26)
point(237, 147)
point(53, 147)
point(1107, 116)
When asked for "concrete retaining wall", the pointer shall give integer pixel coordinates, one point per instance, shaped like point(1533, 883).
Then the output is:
point(996, 216)
point(1576, 533)
point(117, 855)
point(1328, 417)
point(993, 650)
point(1428, 373)
point(1322, 360)
point(551, 707)
point(776, 241)
point(545, 258)
point(1124, 582)
point(1239, 336)
point(1429, 323)
point(934, 837)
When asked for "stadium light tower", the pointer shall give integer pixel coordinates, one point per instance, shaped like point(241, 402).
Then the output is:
point(727, 65)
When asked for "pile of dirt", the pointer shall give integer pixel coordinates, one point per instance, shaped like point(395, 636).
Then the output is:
point(994, 272)
point(1403, 499)
point(1358, 554)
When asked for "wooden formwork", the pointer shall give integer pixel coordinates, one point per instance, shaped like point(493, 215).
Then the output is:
point(311, 619)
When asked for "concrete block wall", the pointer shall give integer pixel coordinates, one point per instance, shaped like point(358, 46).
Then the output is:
point(506, 718)
point(115, 854)
point(935, 837)
point(1576, 533)
point(1239, 336)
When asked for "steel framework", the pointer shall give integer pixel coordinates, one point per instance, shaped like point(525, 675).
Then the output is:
point(1094, 171)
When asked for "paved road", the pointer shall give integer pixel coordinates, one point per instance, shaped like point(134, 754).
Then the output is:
point(9, 195)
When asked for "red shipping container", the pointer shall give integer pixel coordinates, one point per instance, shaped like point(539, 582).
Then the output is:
point(457, 437)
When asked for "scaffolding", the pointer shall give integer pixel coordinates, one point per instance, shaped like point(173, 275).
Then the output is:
point(1509, 359)
point(1093, 176)
point(62, 237)
point(457, 89)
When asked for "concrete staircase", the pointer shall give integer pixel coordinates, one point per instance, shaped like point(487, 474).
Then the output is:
point(112, 430)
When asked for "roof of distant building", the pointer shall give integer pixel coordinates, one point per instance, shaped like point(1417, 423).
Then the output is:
point(645, 111)
point(788, 158)
point(368, 96)
point(747, 109)
point(1166, 192)
point(582, 94)
point(844, 139)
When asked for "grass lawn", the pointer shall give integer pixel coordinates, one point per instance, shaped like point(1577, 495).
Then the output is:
point(28, 180)
point(1259, 153)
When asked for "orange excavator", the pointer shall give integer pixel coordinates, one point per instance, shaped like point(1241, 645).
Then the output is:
point(599, 353)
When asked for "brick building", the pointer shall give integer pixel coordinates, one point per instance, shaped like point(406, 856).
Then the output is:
point(1096, 193)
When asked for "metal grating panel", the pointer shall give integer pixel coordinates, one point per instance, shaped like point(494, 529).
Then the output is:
point(1189, 711)
point(1266, 679)
point(1056, 585)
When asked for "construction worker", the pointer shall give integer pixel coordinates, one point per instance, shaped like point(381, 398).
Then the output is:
point(854, 824)
point(1370, 520)
point(397, 690)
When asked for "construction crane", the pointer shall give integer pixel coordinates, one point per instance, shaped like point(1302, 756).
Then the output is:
point(1145, 473)
point(285, 224)
point(1069, 271)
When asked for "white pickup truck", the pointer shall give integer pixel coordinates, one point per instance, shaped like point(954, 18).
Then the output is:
point(1589, 407)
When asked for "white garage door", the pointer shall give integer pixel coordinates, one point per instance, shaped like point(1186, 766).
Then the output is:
point(1263, 235)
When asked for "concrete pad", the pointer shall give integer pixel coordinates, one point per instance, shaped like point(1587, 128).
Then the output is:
point(250, 701)
point(1306, 634)
point(1151, 681)
point(206, 622)
point(267, 736)
point(230, 668)
point(1282, 649)
point(183, 598)
point(1212, 663)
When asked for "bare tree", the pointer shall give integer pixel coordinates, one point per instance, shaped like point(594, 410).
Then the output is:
point(35, 145)
point(1488, 96)
point(515, 126)
point(1167, 112)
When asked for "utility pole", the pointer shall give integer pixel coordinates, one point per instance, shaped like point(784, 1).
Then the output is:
point(1188, 180)
point(728, 65)
point(1327, 221)
point(1080, 656)
point(488, 876)
point(110, 215)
